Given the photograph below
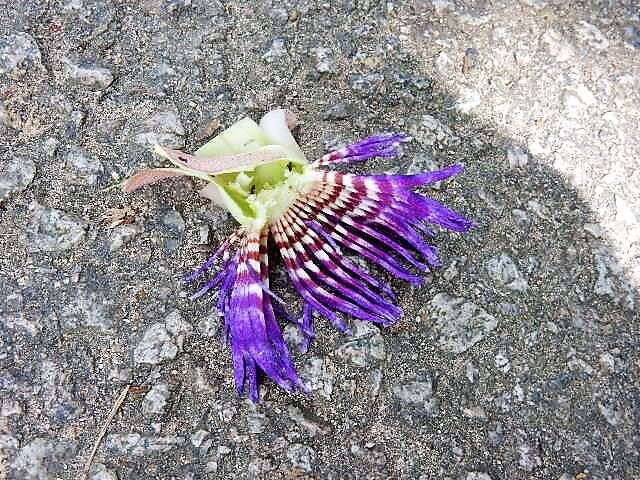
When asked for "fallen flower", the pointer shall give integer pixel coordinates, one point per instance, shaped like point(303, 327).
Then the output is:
point(261, 176)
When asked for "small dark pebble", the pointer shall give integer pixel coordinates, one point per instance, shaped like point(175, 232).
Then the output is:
point(339, 111)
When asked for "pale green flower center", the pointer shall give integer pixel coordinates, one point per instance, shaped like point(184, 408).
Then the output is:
point(255, 194)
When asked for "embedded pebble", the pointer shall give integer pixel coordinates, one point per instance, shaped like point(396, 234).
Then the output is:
point(174, 225)
point(632, 36)
point(156, 346)
point(591, 35)
point(203, 234)
point(100, 472)
point(295, 338)
point(558, 46)
point(428, 130)
point(42, 458)
point(10, 408)
point(279, 14)
point(339, 111)
point(8, 119)
point(134, 444)
point(276, 50)
point(162, 128)
point(443, 63)
point(160, 7)
point(423, 162)
point(365, 347)
point(319, 375)
point(301, 456)
point(537, 4)
point(178, 327)
point(539, 209)
point(417, 392)
point(528, 458)
point(88, 75)
point(443, 6)
point(258, 467)
point(86, 309)
point(18, 50)
point(491, 199)
point(374, 382)
point(74, 122)
point(324, 59)
point(594, 229)
point(469, 99)
point(472, 372)
point(313, 427)
point(451, 272)
point(120, 374)
point(161, 78)
point(517, 157)
point(365, 84)
point(211, 467)
point(198, 437)
point(474, 412)
point(611, 281)
point(54, 380)
point(85, 170)
point(16, 176)
point(504, 271)
point(155, 401)
point(415, 399)
point(223, 450)
point(607, 362)
point(256, 422)
point(209, 326)
point(52, 230)
point(576, 99)
point(521, 217)
point(459, 323)
point(502, 362)
point(122, 235)
point(162, 341)
point(477, 476)
point(174, 221)
point(610, 412)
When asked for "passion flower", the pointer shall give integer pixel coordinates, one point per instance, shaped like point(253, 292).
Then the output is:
point(261, 176)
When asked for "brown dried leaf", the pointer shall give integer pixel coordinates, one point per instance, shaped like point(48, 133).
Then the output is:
point(137, 390)
point(118, 216)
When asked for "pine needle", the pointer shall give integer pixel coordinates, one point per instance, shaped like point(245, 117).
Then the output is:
point(105, 426)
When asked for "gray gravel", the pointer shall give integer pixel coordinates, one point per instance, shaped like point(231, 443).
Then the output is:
point(519, 358)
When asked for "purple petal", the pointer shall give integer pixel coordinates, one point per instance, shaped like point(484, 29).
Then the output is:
point(355, 270)
point(330, 263)
point(361, 246)
point(386, 146)
point(250, 324)
point(412, 181)
point(222, 250)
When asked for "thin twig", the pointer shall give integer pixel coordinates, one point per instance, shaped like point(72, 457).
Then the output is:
point(103, 430)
